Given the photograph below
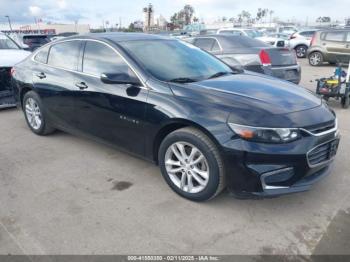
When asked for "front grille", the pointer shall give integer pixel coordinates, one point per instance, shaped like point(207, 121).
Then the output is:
point(323, 153)
point(320, 128)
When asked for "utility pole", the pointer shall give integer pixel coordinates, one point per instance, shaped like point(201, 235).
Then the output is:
point(8, 18)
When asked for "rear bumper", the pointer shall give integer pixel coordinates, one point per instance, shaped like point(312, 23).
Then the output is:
point(288, 73)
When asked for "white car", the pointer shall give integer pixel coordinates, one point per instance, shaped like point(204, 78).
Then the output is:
point(240, 31)
point(10, 54)
point(274, 41)
point(300, 41)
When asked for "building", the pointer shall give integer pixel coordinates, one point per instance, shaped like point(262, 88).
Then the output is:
point(47, 28)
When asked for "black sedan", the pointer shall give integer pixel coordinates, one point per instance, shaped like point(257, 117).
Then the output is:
point(252, 54)
point(206, 126)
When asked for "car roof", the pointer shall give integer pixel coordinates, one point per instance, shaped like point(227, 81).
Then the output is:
point(119, 37)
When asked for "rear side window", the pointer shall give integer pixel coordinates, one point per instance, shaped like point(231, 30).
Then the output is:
point(41, 56)
point(65, 55)
point(99, 58)
point(335, 36)
point(348, 37)
point(307, 33)
point(205, 43)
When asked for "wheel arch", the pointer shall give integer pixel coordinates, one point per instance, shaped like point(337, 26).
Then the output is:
point(172, 126)
point(22, 93)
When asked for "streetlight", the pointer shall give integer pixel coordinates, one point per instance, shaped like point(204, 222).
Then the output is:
point(8, 18)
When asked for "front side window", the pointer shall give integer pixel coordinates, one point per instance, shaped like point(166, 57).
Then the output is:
point(65, 55)
point(168, 60)
point(99, 58)
point(7, 43)
point(41, 56)
point(335, 36)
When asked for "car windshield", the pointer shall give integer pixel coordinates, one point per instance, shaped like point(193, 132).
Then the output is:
point(7, 43)
point(176, 61)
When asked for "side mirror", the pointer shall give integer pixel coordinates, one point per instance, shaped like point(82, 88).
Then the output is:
point(119, 78)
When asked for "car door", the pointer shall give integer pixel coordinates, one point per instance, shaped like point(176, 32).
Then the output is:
point(54, 78)
point(334, 42)
point(111, 112)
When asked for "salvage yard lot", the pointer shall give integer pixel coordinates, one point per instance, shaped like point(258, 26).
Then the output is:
point(63, 194)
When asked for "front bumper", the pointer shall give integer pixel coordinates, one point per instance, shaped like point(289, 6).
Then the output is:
point(268, 170)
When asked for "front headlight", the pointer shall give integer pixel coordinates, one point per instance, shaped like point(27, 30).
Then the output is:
point(266, 135)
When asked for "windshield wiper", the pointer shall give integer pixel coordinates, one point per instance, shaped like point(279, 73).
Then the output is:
point(218, 74)
point(182, 80)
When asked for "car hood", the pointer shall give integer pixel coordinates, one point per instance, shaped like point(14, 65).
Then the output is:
point(282, 96)
point(10, 57)
point(254, 99)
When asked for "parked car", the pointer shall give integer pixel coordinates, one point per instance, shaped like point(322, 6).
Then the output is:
point(332, 46)
point(172, 103)
point(252, 54)
point(300, 41)
point(274, 41)
point(287, 30)
point(10, 54)
point(240, 31)
point(30, 42)
point(208, 31)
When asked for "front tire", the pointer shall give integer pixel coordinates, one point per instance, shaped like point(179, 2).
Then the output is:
point(316, 59)
point(191, 164)
point(35, 115)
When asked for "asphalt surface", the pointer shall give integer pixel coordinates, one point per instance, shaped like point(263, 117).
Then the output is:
point(63, 194)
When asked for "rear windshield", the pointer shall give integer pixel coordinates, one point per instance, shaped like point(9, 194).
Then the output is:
point(253, 33)
point(35, 39)
point(231, 42)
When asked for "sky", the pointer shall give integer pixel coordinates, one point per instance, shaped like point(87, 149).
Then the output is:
point(94, 12)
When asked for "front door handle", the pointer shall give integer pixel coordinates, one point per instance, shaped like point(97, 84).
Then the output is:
point(41, 75)
point(81, 85)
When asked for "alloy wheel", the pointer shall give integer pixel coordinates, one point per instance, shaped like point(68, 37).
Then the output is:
point(33, 113)
point(187, 167)
point(301, 52)
point(315, 58)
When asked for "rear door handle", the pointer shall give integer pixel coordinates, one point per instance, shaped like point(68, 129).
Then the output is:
point(41, 75)
point(81, 85)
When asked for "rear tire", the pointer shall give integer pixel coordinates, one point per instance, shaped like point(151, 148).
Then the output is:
point(34, 113)
point(195, 181)
point(345, 101)
point(301, 50)
point(316, 58)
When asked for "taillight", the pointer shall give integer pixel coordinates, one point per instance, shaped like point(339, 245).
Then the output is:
point(12, 71)
point(265, 58)
point(313, 40)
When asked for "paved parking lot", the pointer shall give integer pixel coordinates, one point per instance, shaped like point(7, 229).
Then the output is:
point(63, 194)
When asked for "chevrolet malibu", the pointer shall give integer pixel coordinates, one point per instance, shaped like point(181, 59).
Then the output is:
point(206, 126)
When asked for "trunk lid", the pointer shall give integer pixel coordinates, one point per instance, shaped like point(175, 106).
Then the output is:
point(281, 56)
